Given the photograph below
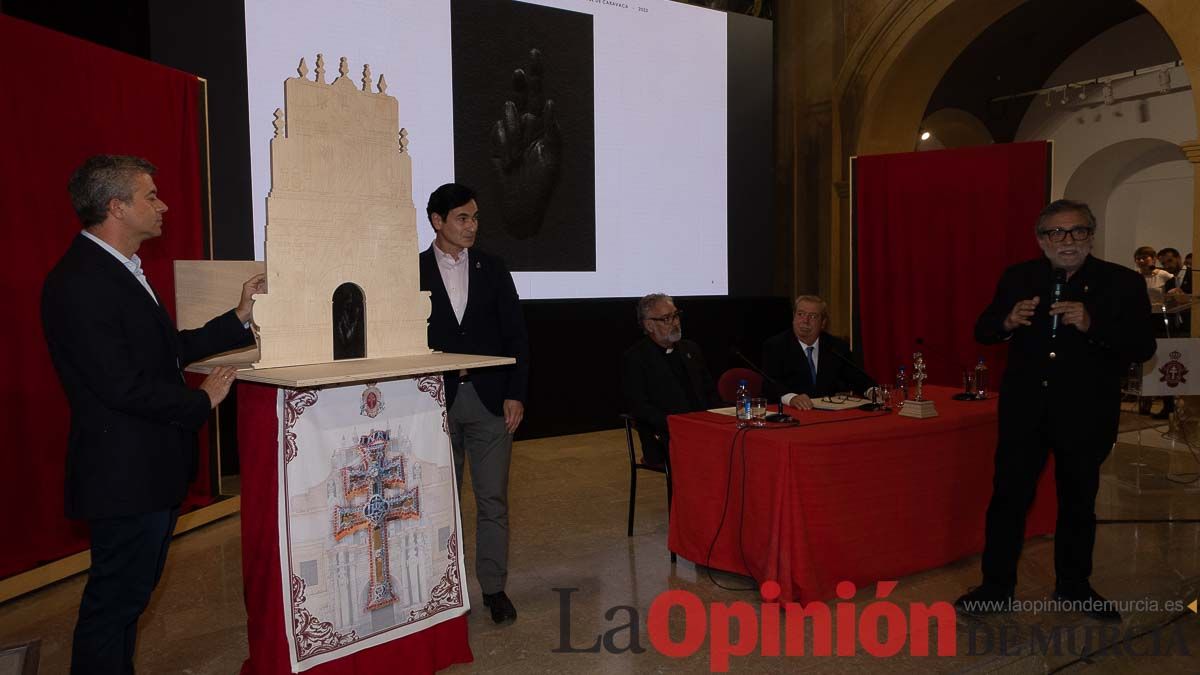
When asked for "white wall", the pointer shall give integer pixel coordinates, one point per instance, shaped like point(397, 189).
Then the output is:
point(1141, 191)
point(1148, 207)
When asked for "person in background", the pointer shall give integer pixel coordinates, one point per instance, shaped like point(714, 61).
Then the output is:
point(663, 374)
point(807, 362)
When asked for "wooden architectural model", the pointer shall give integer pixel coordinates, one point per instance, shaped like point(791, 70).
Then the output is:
point(343, 301)
point(341, 238)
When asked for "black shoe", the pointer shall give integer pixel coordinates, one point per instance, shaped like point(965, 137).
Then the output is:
point(984, 600)
point(1085, 599)
point(502, 608)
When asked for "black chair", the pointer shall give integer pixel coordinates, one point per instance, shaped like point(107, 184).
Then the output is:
point(635, 466)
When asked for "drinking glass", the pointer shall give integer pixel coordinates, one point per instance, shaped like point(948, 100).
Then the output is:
point(758, 411)
point(885, 395)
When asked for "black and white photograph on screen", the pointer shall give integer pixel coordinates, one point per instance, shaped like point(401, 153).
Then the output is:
point(524, 130)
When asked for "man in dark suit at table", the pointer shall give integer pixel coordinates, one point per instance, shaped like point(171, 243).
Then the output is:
point(132, 446)
point(663, 374)
point(809, 363)
point(476, 311)
point(1061, 390)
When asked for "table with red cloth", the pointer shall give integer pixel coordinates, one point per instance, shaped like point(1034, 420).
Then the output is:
point(846, 495)
point(435, 648)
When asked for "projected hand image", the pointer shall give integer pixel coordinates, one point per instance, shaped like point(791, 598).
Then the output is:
point(527, 151)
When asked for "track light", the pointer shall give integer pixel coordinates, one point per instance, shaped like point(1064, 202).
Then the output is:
point(1108, 94)
point(1164, 81)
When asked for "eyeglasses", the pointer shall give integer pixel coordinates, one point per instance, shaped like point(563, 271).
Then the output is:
point(668, 318)
point(1059, 235)
point(812, 316)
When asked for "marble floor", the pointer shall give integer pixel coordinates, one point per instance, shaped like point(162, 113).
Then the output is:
point(569, 497)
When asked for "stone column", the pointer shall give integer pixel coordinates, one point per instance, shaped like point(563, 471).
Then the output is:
point(1192, 150)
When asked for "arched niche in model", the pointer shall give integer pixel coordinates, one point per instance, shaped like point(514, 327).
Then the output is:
point(349, 323)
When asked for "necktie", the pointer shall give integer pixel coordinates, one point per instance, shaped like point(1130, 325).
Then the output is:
point(812, 365)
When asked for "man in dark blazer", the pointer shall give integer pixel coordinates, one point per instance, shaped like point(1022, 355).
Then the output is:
point(1061, 391)
point(475, 310)
point(132, 446)
point(790, 357)
point(663, 374)
point(1179, 284)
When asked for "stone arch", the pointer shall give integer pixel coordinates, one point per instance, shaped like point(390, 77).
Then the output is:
point(892, 70)
point(954, 128)
point(1106, 169)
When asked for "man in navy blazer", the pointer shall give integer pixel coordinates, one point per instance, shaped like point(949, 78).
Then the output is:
point(791, 357)
point(131, 451)
point(475, 310)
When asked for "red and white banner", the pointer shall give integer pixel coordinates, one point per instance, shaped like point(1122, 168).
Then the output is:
point(370, 537)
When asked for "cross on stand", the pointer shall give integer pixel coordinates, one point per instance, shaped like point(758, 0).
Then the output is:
point(374, 473)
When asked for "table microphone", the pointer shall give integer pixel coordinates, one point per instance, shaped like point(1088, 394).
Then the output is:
point(873, 405)
point(1060, 281)
point(779, 416)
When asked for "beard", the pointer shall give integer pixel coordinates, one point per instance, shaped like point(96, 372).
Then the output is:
point(675, 335)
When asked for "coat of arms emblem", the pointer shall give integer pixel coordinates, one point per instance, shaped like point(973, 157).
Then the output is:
point(372, 401)
point(1173, 371)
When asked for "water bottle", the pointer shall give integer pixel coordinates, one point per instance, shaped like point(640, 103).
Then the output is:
point(901, 384)
point(741, 400)
point(981, 379)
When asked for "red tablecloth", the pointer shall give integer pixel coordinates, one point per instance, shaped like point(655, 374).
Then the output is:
point(258, 448)
point(848, 495)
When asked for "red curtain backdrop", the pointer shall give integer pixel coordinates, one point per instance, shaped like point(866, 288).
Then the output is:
point(65, 99)
point(934, 232)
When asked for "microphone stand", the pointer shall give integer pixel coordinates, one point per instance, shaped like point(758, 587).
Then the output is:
point(874, 405)
point(779, 416)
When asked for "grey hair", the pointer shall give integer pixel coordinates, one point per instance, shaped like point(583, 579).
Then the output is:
point(101, 179)
point(648, 301)
point(815, 299)
point(1061, 206)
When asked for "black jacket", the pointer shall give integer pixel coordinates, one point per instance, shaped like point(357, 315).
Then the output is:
point(784, 360)
point(493, 325)
point(652, 391)
point(1074, 377)
point(132, 444)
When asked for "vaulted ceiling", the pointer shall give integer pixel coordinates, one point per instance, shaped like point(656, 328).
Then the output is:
point(1019, 53)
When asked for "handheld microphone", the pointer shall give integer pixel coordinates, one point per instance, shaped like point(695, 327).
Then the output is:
point(1060, 281)
point(779, 415)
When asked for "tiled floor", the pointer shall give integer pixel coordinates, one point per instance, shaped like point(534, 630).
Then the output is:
point(568, 532)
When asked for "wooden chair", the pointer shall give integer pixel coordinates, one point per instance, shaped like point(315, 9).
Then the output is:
point(635, 466)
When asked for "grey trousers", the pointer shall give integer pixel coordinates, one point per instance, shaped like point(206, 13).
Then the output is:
point(478, 435)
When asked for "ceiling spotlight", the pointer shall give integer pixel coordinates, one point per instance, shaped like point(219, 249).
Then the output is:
point(1108, 94)
point(1064, 96)
point(925, 135)
point(1083, 92)
point(1164, 81)
point(1049, 102)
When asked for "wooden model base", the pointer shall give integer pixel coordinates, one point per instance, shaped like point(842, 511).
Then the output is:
point(918, 409)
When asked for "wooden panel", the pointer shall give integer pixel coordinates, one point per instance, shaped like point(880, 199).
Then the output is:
point(207, 288)
point(356, 370)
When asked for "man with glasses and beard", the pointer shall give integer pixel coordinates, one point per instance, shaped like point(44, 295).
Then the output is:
point(663, 374)
point(1061, 392)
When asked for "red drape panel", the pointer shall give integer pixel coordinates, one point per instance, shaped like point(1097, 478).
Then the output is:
point(432, 649)
point(65, 99)
point(934, 232)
